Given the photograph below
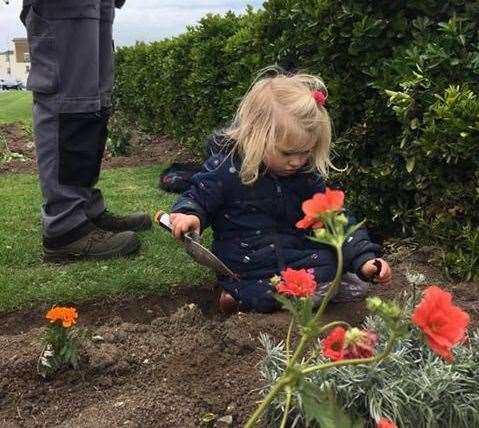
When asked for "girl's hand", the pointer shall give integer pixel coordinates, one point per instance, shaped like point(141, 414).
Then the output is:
point(370, 270)
point(182, 223)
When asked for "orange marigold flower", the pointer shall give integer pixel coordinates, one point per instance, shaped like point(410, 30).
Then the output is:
point(67, 316)
point(443, 323)
point(297, 283)
point(386, 423)
point(333, 344)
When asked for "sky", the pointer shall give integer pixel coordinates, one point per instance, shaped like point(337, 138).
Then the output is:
point(143, 20)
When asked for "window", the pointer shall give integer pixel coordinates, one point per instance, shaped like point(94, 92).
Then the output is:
point(9, 70)
point(26, 57)
point(27, 68)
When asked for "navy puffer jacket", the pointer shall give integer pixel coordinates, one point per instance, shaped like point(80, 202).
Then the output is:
point(254, 229)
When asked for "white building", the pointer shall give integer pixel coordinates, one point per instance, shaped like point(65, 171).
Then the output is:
point(15, 64)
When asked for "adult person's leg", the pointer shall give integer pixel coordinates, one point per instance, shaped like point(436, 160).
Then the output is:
point(95, 208)
point(70, 127)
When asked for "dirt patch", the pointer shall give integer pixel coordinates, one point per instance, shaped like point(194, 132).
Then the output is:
point(150, 151)
point(162, 361)
point(142, 151)
point(20, 149)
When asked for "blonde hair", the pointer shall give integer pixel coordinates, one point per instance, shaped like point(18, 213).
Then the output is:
point(276, 109)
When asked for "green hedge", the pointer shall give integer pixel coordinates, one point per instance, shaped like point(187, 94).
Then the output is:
point(403, 79)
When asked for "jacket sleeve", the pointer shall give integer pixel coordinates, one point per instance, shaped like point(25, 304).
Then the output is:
point(358, 248)
point(205, 195)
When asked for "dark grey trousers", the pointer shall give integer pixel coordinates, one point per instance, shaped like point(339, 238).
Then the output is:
point(71, 77)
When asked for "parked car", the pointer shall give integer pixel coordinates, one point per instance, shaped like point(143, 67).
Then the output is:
point(10, 84)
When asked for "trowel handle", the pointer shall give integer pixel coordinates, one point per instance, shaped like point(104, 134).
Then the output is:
point(163, 219)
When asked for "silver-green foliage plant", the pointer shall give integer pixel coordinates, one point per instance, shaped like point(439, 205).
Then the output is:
point(415, 388)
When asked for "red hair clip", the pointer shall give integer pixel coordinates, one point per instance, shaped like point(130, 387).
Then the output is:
point(320, 97)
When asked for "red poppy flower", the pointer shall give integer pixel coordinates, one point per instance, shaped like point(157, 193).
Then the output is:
point(297, 283)
point(360, 343)
point(309, 222)
point(443, 323)
point(333, 344)
point(386, 423)
point(330, 200)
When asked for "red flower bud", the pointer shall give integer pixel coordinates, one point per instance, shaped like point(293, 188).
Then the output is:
point(360, 343)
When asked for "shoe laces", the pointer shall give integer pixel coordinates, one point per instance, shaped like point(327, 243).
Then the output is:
point(99, 235)
point(96, 236)
point(113, 219)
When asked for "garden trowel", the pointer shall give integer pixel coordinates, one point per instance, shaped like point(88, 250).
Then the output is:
point(200, 254)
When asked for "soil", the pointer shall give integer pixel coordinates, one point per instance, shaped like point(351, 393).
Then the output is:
point(143, 151)
point(19, 143)
point(164, 361)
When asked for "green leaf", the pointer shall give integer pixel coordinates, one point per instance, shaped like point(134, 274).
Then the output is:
point(414, 124)
point(353, 228)
point(287, 304)
point(67, 356)
point(320, 241)
point(320, 406)
point(410, 164)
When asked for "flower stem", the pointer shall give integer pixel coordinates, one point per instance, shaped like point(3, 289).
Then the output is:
point(341, 363)
point(285, 380)
point(299, 350)
point(277, 387)
point(334, 324)
point(288, 337)
point(334, 285)
point(306, 338)
point(286, 407)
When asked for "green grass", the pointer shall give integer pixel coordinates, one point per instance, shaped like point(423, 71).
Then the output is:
point(15, 106)
point(25, 281)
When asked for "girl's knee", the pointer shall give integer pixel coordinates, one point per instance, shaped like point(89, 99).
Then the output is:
point(351, 289)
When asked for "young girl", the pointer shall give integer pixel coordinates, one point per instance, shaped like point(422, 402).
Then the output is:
point(272, 158)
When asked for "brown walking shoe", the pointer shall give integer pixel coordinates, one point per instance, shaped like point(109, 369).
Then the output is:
point(227, 304)
point(115, 223)
point(96, 244)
